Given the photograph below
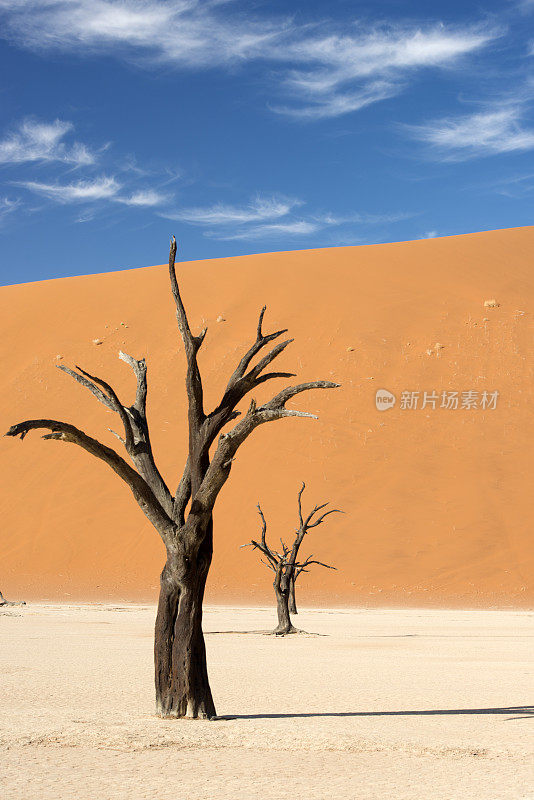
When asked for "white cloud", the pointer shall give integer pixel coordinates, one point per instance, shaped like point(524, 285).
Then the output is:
point(430, 235)
point(43, 141)
point(496, 130)
point(377, 62)
point(7, 207)
point(261, 208)
point(188, 33)
point(241, 223)
point(364, 219)
point(90, 191)
point(279, 229)
point(325, 71)
point(103, 188)
point(515, 186)
point(336, 104)
point(147, 198)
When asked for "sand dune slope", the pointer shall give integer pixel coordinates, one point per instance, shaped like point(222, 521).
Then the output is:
point(438, 501)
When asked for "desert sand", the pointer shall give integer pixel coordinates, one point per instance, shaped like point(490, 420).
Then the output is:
point(438, 502)
point(407, 704)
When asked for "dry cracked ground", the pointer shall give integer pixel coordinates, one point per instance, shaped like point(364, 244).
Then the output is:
point(407, 704)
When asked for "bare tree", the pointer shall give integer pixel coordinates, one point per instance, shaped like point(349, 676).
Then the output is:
point(4, 602)
point(285, 564)
point(184, 520)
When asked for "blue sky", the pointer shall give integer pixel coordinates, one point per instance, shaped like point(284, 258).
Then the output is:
point(248, 127)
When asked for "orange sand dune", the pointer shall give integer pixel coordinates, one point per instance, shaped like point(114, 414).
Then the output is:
point(438, 502)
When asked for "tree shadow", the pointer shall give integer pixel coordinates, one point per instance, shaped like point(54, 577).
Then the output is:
point(266, 633)
point(525, 712)
point(221, 633)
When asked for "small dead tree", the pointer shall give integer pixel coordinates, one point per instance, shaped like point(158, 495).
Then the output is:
point(184, 520)
point(285, 564)
point(4, 602)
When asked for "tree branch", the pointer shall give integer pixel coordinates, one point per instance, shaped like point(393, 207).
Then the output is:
point(192, 344)
point(108, 397)
point(219, 469)
point(98, 393)
point(299, 498)
point(261, 341)
point(321, 518)
point(307, 563)
point(241, 382)
point(140, 449)
point(139, 487)
point(140, 371)
point(136, 433)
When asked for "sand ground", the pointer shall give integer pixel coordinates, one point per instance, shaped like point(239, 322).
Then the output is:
point(380, 704)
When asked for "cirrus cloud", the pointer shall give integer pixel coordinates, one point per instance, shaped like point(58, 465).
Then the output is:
point(260, 208)
point(496, 130)
point(77, 192)
point(44, 142)
point(93, 190)
point(325, 70)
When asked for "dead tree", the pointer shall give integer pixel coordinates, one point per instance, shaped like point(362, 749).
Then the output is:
point(285, 564)
point(4, 602)
point(184, 520)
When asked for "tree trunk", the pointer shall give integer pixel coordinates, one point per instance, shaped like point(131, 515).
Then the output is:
point(182, 685)
point(282, 608)
point(292, 601)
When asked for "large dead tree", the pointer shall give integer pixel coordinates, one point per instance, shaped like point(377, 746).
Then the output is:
point(285, 563)
point(184, 520)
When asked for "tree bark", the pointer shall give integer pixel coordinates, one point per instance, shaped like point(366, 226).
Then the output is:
point(181, 673)
point(284, 620)
point(292, 601)
point(281, 590)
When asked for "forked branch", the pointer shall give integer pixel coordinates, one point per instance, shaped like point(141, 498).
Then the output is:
point(285, 564)
point(136, 433)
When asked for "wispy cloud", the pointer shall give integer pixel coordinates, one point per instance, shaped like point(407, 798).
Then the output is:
point(8, 206)
point(324, 70)
point(272, 218)
point(344, 73)
point(270, 231)
point(91, 191)
point(43, 141)
point(335, 104)
point(260, 208)
point(515, 186)
point(146, 199)
point(188, 33)
point(78, 192)
point(499, 129)
point(364, 219)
